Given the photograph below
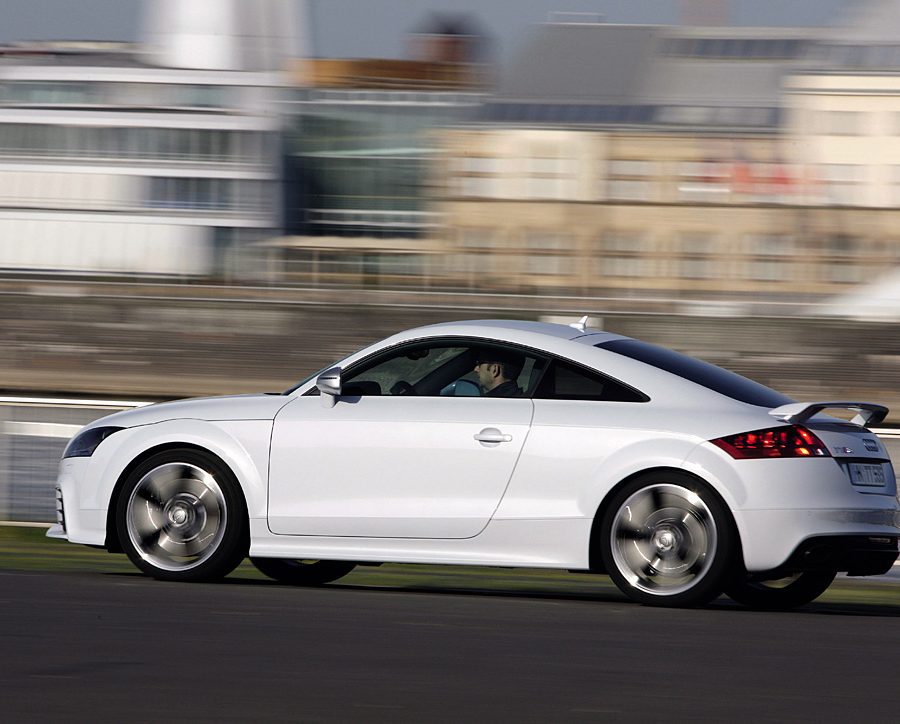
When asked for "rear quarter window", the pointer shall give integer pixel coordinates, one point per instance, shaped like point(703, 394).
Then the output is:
point(565, 381)
point(702, 373)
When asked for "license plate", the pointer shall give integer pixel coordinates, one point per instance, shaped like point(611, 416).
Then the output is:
point(863, 474)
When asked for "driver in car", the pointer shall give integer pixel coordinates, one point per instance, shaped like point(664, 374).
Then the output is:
point(497, 373)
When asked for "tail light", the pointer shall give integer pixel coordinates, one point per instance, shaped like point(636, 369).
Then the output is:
point(791, 441)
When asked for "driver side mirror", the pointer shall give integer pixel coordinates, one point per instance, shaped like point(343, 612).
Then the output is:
point(329, 385)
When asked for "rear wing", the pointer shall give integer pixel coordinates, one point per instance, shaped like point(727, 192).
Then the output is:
point(868, 412)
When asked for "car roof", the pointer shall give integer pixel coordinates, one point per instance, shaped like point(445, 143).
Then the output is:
point(513, 328)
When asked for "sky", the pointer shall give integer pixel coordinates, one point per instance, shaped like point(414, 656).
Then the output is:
point(379, 28)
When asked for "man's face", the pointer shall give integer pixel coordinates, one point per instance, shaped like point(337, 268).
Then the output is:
point(488, 374)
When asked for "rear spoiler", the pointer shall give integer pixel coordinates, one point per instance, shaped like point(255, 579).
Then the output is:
point(797, 412)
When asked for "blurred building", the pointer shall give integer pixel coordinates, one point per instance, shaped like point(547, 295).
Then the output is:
point(360, 147)
point(161, 159)
point(843, 108)
point(701, 163)
point(659, 162)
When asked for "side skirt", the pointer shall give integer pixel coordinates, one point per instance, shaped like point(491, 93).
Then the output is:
point(558, 543)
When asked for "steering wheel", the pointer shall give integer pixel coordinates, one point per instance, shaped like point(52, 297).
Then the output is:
point(402, 387)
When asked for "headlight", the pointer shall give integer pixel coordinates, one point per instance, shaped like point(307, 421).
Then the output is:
point(86, 441)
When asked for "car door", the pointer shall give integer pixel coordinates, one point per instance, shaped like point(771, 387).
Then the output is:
point(394, 457)
point(582, 419)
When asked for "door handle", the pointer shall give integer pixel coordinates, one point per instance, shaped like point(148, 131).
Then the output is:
point(491, 435)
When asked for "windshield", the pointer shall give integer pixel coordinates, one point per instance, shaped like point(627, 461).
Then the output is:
point(305, 380)
point(702, 373)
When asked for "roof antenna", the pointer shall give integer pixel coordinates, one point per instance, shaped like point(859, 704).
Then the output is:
point(580, 324)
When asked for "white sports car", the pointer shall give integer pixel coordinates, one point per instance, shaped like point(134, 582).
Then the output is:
point(498, 443)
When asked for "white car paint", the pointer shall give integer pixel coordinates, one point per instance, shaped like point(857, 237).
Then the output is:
point(404, 479)
point(416, 470)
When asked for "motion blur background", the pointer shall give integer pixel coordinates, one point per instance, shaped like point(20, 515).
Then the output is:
point(222, 196)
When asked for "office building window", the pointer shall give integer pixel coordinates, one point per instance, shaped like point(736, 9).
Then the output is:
point(481, 164)
point(624, 240)
point(696, 268)
point(628, 266)
point(551, 265)
point(476, 238)
point(769, 244)
point(840, 245)
point(696, 242)
point(705, 181)
point(208, 194)
point(545, 241)
point(843, 183)
point(841, 123)
point(694, 262)
point(844, 273)
point(550, 178)
point(632, 180)
point(114, 143)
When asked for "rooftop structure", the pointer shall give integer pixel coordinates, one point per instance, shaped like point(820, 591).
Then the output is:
point(598, 74)
point(241, 35)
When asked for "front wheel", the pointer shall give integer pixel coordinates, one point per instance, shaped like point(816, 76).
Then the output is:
point(781, 593)
point(181, 517)
point(302, 573)
point(667, 540)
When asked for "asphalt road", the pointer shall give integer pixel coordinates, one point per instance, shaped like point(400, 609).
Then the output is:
point(120, 647)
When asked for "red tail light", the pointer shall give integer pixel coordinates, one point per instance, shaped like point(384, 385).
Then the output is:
point(793, 441)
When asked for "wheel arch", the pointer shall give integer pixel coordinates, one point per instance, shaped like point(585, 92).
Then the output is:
point(113, 544)
point(595, 560)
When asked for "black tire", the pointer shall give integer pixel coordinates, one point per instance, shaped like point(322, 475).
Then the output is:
point(780, 594)
point(667, 540)
point(302, 573)
point(181, 516)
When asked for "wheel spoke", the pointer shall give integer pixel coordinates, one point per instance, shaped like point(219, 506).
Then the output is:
point(636, 534)
point(195, 546)
point(697, 566)
point(150, 539)
point(698, 513)
point(640, 509)
point(150, 496)
point(651, 567)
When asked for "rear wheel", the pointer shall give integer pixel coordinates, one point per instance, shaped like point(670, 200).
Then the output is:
point(181, 517)
point(667, 540)
point(781, 593)
point(302, 572)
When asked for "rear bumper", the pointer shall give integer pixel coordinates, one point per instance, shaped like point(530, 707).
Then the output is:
point(853, 555)
point(773, 538)
point(779, 505)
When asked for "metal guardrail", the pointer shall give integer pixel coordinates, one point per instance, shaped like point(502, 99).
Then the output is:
point(34, 432)
point(33, 435)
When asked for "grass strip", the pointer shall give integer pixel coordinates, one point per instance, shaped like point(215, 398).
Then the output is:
point(28, 549)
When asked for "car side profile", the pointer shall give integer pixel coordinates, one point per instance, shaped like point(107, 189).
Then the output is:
point(498, 443)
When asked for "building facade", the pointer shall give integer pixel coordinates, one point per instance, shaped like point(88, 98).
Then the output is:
point(162, 158)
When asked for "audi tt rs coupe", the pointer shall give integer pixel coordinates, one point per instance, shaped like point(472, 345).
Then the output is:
point(498, 443)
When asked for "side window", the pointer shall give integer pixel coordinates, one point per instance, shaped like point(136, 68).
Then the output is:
point(565, 381)
point(456, 368)
point(401, 372)
point(521, 368)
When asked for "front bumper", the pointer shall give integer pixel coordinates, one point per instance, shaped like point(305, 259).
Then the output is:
point(57, 531)
point(83, 521)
